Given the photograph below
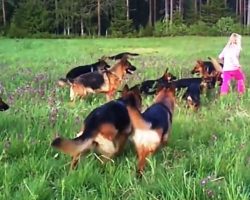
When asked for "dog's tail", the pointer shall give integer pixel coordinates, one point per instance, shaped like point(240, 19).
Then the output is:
point(216, 64)
point(121, 55)
point(62, 82)
point(135, 115)
point(71, 147)
point(133, 54)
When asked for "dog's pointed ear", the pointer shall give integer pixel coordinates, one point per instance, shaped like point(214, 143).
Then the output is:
point(125, 89)
point(200, 62)
point(166, 71)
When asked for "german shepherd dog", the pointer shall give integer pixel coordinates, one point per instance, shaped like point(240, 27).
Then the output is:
point(149, 87)
point(3, 105)
point(99, 66)
point(207, 69)
point(186, 82)
point(106, 82)
point(152, 128)
point(121, 55)
point(106, 129)
point(192, 96)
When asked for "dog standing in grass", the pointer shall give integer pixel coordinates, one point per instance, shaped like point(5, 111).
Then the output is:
point(99, 66)
point(106, 129)
point(149, 86)
point(152, 127)
point(106, 82)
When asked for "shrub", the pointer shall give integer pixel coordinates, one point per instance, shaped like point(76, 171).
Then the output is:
point(160, 28)
point(146, 32)
point(200, 28)
point(16, 32)
point(225, 25)
point(121, 28)
point(177, 29)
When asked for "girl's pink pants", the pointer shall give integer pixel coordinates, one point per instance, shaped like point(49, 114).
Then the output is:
point(227, 76)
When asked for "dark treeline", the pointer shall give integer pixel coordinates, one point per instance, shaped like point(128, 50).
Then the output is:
point(117, 18)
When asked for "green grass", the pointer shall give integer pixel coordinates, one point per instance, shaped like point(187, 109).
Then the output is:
point(207, 157)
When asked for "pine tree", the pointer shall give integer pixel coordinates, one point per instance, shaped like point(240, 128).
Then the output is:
point(213, 11)
point(120, 25)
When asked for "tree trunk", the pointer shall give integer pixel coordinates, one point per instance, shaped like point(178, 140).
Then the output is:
point(237, 7)
point(4, 14)
point(225, 3)
point(171, 11)
point(248, 13)
point(240, 10)
point(208, 2)
point(166, 11)
point(154, 2)
point(180, 7)
point(150, 13)
point(200, 3)
point(56, 11)
point(82, 27)
point(99, 16)
point(68, 29)
point(127, 9)
point(244, 13)
point(64, 28)
point(195, 6)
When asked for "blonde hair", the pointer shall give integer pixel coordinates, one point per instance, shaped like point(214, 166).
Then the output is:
point(232, 40)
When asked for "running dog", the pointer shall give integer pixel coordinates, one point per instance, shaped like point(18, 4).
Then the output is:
point(186, 82)
point(210, 69)
point(149, 87)
point(106, 82)
point(192, 96)
point(3, 105)
point(99, 66)
point(106, 129)
point(152, 128)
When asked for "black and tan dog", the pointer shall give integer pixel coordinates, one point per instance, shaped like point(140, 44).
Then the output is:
point(192, 96)
point(208, 69)
point(149, 87)
point(106, 129)
point(3, 105)
point(106, 82)
point(152, 128)
point(121, 55)
point(99, 66)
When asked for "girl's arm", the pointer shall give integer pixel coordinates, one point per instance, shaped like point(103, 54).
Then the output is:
point(221, 55)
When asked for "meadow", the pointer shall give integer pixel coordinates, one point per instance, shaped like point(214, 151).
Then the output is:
point(208, 154)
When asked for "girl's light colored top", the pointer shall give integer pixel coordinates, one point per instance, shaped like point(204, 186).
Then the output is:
point(230, 54)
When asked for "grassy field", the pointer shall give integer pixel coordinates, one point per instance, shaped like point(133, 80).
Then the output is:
point(207, 157)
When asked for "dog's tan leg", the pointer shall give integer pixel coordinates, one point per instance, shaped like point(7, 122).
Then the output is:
point(120, 142)
point(143, 153)
point(74, 161)
point(72, 94)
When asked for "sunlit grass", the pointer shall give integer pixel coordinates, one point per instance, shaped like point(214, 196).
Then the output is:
point(208, 154)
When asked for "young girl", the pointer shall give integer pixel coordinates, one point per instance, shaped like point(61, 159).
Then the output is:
point(232, 69)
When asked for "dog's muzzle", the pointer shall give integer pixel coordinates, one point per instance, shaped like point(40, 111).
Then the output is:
point(131, 69)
